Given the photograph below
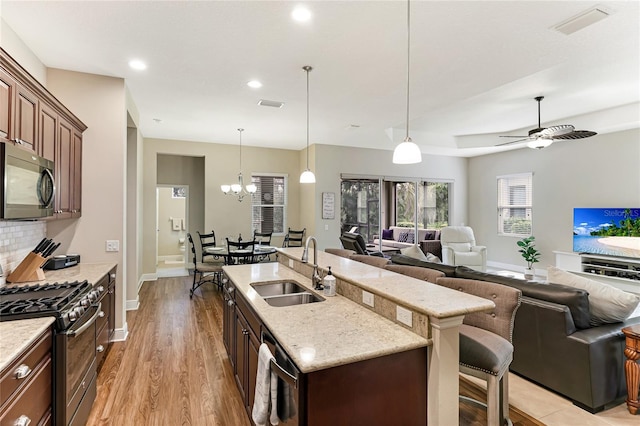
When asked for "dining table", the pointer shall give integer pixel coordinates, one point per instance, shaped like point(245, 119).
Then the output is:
point(260, 252)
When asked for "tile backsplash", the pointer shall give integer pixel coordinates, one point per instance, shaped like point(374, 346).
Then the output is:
point(17, 239)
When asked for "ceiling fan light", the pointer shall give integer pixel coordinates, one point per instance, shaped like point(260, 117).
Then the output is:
point(539, 143)
point(307, 177)
point(407, 152)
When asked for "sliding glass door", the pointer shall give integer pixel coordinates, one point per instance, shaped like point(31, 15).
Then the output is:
point(360, 207)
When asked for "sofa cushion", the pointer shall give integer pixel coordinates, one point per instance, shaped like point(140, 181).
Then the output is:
point(483, 350)
point(411, 238)
point(414, 252)
point(401, 259)
point(608, 304)
point(575, 299)
point(424, 274)
point(387, 234)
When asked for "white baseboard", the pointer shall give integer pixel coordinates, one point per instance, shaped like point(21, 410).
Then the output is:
point(146, 277)
point(120, 334)
point(132, 305)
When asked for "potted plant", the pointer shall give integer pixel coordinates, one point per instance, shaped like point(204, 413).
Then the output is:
point(530, 255)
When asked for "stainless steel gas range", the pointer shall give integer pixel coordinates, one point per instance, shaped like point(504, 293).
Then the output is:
point(76, 307)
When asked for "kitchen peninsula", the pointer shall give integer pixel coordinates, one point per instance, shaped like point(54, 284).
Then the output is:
point(341, 331)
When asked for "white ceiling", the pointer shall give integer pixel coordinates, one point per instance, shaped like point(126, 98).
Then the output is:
point(475, 67)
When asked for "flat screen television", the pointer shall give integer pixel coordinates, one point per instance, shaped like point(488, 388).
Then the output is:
point(607, 231)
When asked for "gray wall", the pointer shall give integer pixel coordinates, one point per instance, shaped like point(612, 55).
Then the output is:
point(601, 171)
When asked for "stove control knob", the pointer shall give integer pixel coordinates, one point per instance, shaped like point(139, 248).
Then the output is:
point(85, 302)
point(100, 289)
point(72, 315)
point(79, 311)
point(93, 296)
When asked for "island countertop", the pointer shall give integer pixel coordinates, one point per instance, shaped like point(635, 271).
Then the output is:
point(324, 334)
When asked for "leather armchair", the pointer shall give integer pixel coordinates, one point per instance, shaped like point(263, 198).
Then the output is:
point(459, 248)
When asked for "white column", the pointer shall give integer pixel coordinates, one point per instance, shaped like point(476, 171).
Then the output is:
point(442, 372)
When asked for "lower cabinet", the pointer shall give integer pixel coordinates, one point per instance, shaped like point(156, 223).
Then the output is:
point(247, 343)
point(26, 385)
point(105, 325)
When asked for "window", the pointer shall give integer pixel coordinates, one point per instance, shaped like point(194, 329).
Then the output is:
point(515, 204)
point(433, 204)
point(269, 203)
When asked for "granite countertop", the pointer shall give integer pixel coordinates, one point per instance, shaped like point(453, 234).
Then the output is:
point(325, 334)
point(17, 335)
point(421, 296)
point(91, 272)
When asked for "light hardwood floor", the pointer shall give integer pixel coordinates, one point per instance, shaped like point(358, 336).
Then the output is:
point(173, 368)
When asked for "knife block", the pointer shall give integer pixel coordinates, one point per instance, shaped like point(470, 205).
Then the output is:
point(28, 270)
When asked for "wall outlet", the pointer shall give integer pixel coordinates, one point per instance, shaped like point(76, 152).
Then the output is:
point(405, 316)
point(326, 227)
point(367, 298)
point(291, 263)
point(113, 245)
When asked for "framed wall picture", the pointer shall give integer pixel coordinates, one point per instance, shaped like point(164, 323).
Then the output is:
point(328, 205)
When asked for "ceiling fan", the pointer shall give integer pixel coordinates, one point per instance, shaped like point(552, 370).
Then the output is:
point(542, 137)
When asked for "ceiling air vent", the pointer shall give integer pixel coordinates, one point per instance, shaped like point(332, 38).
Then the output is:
point(582, 20)
point(274, 104)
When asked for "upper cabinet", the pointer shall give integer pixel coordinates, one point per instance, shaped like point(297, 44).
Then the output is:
point(35, 120)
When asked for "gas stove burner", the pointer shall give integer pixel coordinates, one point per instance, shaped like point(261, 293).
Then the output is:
point(49, 299)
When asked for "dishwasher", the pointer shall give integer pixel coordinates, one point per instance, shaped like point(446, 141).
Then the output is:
point(289, 407)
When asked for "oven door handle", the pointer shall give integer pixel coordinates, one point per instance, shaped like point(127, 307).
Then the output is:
point(89, 323)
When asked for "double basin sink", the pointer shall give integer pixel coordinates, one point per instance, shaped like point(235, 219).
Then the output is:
point(285, 293)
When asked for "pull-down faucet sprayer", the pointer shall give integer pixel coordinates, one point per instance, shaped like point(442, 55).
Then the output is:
point(315, 277)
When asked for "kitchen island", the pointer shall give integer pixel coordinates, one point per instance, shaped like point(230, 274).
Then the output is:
point(341, 330)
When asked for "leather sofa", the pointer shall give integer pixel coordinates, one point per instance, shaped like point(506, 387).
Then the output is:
point(554, 344)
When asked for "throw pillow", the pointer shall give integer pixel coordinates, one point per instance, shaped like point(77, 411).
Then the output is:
point(607, 303)
point(402, 237)
point(433, 258)
point(411, 238)
point(414, 252)
point(430, 235)
point(387, 234)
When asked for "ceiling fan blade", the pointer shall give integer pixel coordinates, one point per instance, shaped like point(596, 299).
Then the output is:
point(577, 134)
point(504, 136)
point(555, 131)
point(510, 142)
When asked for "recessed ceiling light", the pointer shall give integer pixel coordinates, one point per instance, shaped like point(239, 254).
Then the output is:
point(255, 84)
point(301, 14)
point(137, 64)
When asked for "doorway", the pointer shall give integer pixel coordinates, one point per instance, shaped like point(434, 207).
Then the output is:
point(172, 247)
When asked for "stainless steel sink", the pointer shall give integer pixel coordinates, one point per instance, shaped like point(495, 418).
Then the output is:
point(293, 299)
point(285, 293)
point(278, 288)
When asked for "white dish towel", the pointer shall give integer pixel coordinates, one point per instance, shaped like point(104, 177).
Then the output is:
point(266, 396)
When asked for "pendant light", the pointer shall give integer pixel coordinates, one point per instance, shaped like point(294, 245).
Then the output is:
point(239, 189)
point(407, 152)
point(307, 176)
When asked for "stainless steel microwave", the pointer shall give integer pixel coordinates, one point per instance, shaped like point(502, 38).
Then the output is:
point(28, 186)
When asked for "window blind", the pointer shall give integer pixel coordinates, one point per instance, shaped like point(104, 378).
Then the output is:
point(269, 203)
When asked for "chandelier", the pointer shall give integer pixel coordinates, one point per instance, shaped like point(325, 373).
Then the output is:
point(239, 189)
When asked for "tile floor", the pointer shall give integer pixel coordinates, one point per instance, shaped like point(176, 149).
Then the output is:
point(554, 410)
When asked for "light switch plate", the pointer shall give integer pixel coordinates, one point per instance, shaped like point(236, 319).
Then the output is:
point(405, 316)
point(367, 298)
point(291, 263)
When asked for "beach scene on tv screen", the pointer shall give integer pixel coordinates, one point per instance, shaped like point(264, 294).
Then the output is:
point(612, 231)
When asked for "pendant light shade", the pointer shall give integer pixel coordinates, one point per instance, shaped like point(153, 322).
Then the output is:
point(307, 176)
point(239, 189)
point(407, 152)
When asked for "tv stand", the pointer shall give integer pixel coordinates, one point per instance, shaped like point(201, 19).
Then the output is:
point(620, 272)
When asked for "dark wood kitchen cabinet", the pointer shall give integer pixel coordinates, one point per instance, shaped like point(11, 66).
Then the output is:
point(26, 385)
point(35, 120)
point(105, 325)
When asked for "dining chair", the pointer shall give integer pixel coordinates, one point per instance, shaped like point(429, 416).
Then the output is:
point(262, 238)
point(294, 238)
point(240, 252)
point(203, 272)
point(207, 240)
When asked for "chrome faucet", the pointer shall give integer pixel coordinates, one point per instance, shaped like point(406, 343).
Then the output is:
point(315, 277)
